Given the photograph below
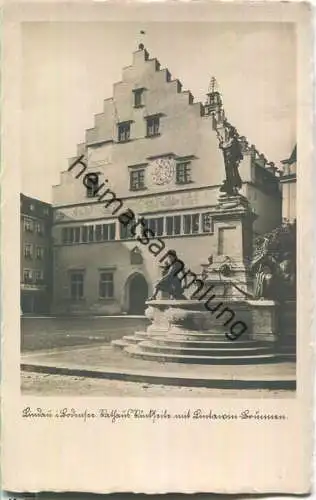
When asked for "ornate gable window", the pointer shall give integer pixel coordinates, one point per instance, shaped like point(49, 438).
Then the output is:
point(137, 179)
point(92, 182)
point(138, 97)
point(183, 173)
point(153, 123)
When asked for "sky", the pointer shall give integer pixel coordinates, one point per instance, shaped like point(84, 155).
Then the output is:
point(69, 68)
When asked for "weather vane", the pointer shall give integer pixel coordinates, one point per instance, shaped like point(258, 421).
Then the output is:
point(213, 85)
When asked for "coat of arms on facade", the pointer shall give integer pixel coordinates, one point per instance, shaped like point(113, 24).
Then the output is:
point(162, 170)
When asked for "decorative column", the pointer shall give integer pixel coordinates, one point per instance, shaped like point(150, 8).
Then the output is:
point(232, 220)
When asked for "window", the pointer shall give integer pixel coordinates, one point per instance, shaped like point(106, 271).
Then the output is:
point(136, 257)
point(27, 276)
point(191, 223)
point(38, 276)
point(108, 232)
point(32, 207)
point(183, 173)
point(207, 223)
point(156, 225)
point(173, 225)
point(137, 179)
point(40, 253)
point(92, 184)
point(76, 285)
point(84, 234)
point(76, 234)
point(98, 232)
point(106, 285)
point(65, 235)
point(28, 251)
point(39, 228)
point(91, 233)
point(28, 224)
point(125, 231)
point(124, 131)
point(112, 230)
point(138, 98)
point(153, 126)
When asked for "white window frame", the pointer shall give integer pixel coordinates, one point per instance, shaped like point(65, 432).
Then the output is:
point(106, 283)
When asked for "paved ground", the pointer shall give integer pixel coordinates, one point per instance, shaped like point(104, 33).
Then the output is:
point(75, 356)
point(50, 385)
point(105, 357)
point(47, 333)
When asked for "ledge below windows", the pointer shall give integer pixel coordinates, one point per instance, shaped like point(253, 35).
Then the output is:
point(138, 190)
point(184, 183)
point(152, 136)
point(125, 141)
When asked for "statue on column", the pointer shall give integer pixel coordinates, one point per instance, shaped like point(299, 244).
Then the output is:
point(232, 151)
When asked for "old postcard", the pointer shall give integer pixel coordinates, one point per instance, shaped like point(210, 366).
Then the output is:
point(156, 243)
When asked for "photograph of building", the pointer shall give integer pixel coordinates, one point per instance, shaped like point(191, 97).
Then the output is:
point(36, 256)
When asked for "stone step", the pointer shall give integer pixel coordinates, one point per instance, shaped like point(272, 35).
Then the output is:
point(177, 342)
point(148, 346)
point(200, 336)
point(120, 344)
point(137, 352)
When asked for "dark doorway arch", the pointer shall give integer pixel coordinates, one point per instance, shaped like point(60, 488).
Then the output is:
point(138, 294)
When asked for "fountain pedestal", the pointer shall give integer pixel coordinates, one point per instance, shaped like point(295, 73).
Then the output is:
point(184, 331)
point(232, 226)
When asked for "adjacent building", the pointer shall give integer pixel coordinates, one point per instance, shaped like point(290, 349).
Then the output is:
point(36, 255)
point(288, 184)
point(157, 150)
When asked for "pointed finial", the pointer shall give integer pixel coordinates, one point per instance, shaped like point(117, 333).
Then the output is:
point(213, 86)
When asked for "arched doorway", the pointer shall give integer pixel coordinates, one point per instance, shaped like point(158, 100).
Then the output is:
point(138, 294)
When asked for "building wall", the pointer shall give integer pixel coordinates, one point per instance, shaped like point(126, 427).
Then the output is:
point(184, 133)
point(116, 257)
point(289, 199)
point(288, 184)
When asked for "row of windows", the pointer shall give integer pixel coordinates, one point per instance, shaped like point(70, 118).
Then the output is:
point(33, 276)
point(29, 251)
point(152, 128)
point(32, 226)
point(106, 285)
point(152, 122)
point(181, 224)
point(174, 225)
point(85, 234)
point(31, 207)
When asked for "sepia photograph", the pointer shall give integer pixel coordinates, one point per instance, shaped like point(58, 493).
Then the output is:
point(158, 209)
point(157, 256)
